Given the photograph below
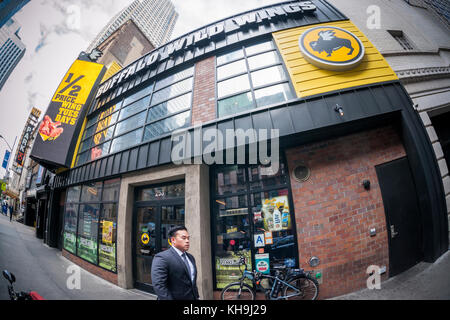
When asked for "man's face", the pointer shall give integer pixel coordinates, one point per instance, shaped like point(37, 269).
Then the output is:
point(181, 240)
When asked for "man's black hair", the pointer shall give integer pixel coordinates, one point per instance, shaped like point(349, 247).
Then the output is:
point(174, 230)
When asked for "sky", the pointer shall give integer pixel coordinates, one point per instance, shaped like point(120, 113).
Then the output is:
point(56, 31)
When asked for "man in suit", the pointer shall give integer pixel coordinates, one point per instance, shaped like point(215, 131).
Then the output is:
point(174, 273)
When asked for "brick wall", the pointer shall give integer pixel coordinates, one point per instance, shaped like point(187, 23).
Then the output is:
point(204, 103)
point(102, 273)
point(334, 212)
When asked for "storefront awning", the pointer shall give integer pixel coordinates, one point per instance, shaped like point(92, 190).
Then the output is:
point(11, 194)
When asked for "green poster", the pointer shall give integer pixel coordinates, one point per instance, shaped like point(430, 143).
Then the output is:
point(87, 249)
point(107, 257)
point(69, 242)
point(227, 267)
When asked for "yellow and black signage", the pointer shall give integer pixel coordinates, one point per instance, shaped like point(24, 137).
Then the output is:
point(61, 125)
point(330, 56)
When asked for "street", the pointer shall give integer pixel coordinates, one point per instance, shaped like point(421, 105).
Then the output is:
point(40, 268)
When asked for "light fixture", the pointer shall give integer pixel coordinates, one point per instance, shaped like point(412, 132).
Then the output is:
point(366, 184)
point(339, 109)
point(314, 262)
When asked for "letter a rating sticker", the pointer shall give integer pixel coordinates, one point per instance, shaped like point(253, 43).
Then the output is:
point(259, 240)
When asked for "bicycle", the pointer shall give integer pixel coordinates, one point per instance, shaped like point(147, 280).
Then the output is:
point(295, 284)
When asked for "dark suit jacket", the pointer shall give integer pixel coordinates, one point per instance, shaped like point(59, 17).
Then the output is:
point(171, 279)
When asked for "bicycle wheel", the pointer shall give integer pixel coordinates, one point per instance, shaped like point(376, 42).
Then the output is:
point(308, 288)
point(237, 291)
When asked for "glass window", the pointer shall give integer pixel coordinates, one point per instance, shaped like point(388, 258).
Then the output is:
point(167, 125)
point(138, 95)
point(134, 108)
point(165, 192)
point(100, 150)
point(172, 91)
point(230, 56)
point(233, 85)
point(111, 190)
point(131, 123)
point(102, 136)
point(82, 158)
point(268, 75)
point(88, 232)
point(73, 194)
point(230, 180)
point(126, 140)
point(91, 192)
point(107, 241)
point(262, 60)
point(260, 47)
point(274, 94)
point(172, 106)
point(231, 69)
point(70, 224)
point(236, 104)
point(174, 78)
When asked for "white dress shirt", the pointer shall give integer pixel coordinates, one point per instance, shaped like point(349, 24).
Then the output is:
point(191, 266)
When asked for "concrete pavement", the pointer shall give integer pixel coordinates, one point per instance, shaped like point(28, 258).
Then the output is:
point(40, 268)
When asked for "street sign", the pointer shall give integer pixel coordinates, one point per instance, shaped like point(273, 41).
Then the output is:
point(6, 159)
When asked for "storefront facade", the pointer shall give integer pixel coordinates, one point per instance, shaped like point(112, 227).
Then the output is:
point(352, 151)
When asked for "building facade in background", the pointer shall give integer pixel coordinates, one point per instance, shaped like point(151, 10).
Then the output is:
point(358, 182)
point(12, 49)
point(155, 18)
point(8, 8)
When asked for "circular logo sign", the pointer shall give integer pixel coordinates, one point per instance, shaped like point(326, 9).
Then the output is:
point(262, 266)
point(331, 48)
point(145, 238)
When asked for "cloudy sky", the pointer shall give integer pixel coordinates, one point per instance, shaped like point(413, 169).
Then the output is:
point(55, 31)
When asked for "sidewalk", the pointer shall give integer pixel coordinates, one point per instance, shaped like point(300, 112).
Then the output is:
point(40, 268)
point(424, 281)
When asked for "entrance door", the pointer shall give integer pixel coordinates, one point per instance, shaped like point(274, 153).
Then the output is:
point(402, 215)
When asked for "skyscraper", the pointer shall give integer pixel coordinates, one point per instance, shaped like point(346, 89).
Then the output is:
point(12, 49)
point(8, 9)
point(155, 18)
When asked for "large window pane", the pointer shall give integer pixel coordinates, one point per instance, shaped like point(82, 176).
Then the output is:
point(73, 194)
point(98, 151)
point(91, 192)
point(131, 123)
point(135, 108)
point(230, 56)
point(102, 136)
point(167, 125)
point(233, 85)
point(268, 75)
point(232, 236)
point(111, 190)
point(174, 78)
point(274, 94)
point(231, 69)
point(172, 91)
point(230, 180)
point(88, 232)
point(107, 241)
point(258, 178)
point(165, 192)
point(172, 106)
point(262, 60)
point(236, 104)
point(260, 47)
point(82, 158)
point(126, 140)
point(70, 225)
point(138, 95)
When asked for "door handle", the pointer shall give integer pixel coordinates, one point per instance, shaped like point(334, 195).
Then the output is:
point(393, 232)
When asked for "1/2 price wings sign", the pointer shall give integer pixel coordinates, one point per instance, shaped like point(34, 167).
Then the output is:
point(59, 130)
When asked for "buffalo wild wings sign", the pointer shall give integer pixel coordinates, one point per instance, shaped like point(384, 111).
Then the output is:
point(59, 130)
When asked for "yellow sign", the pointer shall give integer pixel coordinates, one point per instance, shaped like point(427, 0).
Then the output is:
point(309, 79)
point(331, 48)
point(107, 232)
point(145, 238)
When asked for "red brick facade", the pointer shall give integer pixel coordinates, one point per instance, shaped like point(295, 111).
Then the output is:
point(334, 212)
point(204, 101)
point(102, 273)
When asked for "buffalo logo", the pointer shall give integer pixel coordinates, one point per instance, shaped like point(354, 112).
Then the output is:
point(331, 48)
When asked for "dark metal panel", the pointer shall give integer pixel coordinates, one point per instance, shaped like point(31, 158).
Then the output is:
point(205, 129)
point(109, 166)
point(368, 104)
point(142, 156)
point(97, 169)
point(282, 121)
point(91, 171)
point(394, 97)
point(382, 101)
point(132, 162)
point(301, 118)
point(165, 151)
point(222, 127)
point(103, 167)
point(124, 161)
point(353, 106)
point(116, 164)
point(244, 123)
point(261, 120)
point(153, 154)
point(320, 112)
